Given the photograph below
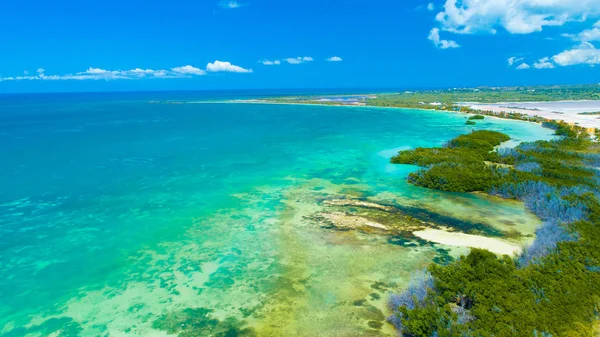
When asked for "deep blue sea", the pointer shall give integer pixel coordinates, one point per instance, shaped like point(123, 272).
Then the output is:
point(119, 217)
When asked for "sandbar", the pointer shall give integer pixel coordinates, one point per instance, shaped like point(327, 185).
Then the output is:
point(467, 240)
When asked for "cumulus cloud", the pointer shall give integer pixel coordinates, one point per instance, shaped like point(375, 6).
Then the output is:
point(585, 53)
point(271, 63)
point(220, 66)
point(92, 73)
point(543, 63)
point(434, 36)
point(187, 70)
point(144, 72)
point(430, 7)
point(514, 16)
point(523, 17)
point(298, 60)
point(514, 60)
point(587, 35)
point(334, 59)
point(230, 4)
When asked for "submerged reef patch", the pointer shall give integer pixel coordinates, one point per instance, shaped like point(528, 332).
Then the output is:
point(193, 322)
point(397, 222)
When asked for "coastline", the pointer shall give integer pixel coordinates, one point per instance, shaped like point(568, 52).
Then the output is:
point(453, 239)
point(458, 112)
point(565, 111)
point(274, 238)
point(539, 111)
point(450, 239)
point(566, 239)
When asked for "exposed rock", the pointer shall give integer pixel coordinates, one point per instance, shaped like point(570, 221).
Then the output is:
point(348, 221)
point(358, 203)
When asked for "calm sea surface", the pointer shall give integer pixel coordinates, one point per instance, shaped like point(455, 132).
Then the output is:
point(123, 218)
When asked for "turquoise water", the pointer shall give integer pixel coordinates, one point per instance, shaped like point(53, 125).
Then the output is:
point(117, 215)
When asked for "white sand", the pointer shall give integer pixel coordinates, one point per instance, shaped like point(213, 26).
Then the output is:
point(568, 111)
point(466, 240)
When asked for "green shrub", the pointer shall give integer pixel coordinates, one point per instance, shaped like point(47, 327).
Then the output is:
point(559, 294)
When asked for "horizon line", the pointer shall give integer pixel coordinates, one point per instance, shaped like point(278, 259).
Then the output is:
point(394, 89)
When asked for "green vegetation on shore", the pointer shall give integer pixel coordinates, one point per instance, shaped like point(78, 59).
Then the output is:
point(468, 162)
point(553, 288)
point(460, 166)
point(447, 99)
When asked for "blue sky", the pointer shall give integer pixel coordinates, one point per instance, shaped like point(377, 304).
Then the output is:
point(211, 44)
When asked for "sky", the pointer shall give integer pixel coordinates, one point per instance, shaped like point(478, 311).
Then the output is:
point(74, 45)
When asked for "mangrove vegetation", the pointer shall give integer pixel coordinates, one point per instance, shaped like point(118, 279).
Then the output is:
point(553, 287)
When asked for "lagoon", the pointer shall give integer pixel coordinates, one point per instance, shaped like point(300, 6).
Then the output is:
point(124, 218)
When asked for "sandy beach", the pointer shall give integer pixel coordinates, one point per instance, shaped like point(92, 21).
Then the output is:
point(466, 240)
point(568, 111)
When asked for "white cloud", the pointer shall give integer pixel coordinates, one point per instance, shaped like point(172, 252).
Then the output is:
point(430, 7)
point(587, 35)
point(163, 74)
point(220, 66)
point(334, 59)
point(98, 71)
point(92, 73)
point(523, 66)
point(293, 60)
point(434, 36)
point(514, 60)
point(96, 74)
point(298, 60)
point(543, 63)
point(142, 72)
point(188, 70)
point(271, 63)
point(230, 4)
point(515, 16)
point(585, 53)
point(102, 74)
point(26, 72)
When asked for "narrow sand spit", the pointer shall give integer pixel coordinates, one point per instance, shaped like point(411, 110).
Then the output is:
point(568, 111)
point(466, 240)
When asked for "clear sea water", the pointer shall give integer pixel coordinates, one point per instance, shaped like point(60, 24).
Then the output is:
point(123, 218)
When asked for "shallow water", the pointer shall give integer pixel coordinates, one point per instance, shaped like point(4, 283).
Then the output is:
point(118, 215)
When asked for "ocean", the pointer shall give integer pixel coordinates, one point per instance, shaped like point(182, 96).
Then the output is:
point(119, 217)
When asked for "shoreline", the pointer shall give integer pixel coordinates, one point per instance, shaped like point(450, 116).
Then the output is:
point(459, 239)
point(432, 235)
point(437, 236)
point(574, 112)
point(591, 122)
point(359, 106)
